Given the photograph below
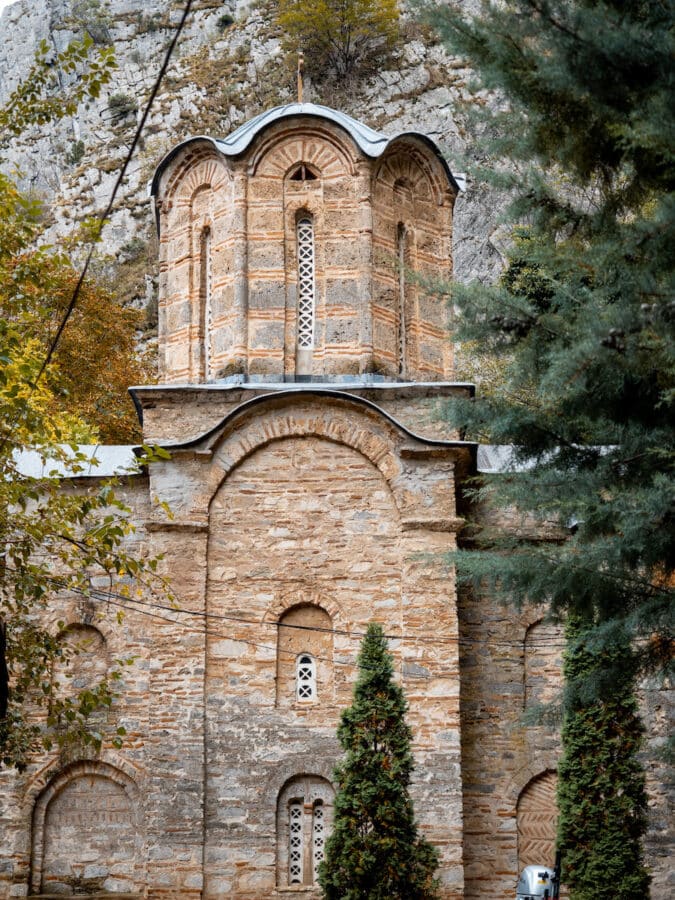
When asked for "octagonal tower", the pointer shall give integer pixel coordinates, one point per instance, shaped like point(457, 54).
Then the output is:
point(292, 251)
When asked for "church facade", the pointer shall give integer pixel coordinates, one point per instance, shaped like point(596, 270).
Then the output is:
point(311, 489)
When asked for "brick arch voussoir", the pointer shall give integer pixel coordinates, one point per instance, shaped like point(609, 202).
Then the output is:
point(416, 163)
point(297, 767)
point(53, 779)
point(196, 168)
point(279, 607)
point(242, 443)
point(331, 153)
point(545, 763)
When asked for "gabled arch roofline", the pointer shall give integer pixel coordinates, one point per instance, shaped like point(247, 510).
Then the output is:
point(290, 396)
point(372, 143)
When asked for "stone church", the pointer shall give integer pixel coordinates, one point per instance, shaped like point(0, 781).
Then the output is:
point(311, 489)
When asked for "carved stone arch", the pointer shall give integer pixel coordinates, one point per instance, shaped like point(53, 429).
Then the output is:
point(93, 802)
point(324, 149)
point(239, 441)
point(536, 820)
point(293, 767)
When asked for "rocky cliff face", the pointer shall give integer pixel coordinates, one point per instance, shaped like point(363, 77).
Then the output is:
point(228, 66)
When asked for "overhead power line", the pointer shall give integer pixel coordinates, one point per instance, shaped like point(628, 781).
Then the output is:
point(143, 606)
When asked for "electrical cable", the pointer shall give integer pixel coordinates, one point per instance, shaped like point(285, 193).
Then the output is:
point(102, 218)
point(141, 605)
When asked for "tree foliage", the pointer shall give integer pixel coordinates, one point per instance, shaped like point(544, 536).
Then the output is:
point(584, 316)
point(601, 788)
point(582, 140)
point(96, 358)
point(375, 851)
point(338, 36)
point(56, 84)
point(56, 542)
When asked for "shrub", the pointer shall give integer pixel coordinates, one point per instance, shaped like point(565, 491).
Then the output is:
point(121, 105)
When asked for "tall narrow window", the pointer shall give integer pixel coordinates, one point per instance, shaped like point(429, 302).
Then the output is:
point(304, 823)
point(305, 238)
point(401, 253)
point(305, 682)
point(318, 838)
point(295, 848)
point(205, 311)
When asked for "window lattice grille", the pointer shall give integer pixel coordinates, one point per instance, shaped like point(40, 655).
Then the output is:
point(295, 849)
point(318, 838)
point(306, 678)
point(206, 314)
point(401, 237)
point(305, 234)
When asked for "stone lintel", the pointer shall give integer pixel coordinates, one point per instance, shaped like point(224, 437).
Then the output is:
point(185, 526)
point(452, 524)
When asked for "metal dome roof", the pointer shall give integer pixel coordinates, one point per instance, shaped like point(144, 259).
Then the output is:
point(372, 143)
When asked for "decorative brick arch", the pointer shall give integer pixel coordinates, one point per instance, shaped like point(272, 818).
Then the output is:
point(122, 785)
point(546, 761)
point(325, 149)
point(405, 159)
point(340, 424)
point(197, 166)
point(303, 597)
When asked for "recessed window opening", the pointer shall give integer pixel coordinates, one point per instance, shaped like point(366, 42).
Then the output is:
point(303, 173)
point(306, 289)
point(205, 302)
point(304, 822)
point(318, 838)
point(401, 237)
point(306, 678)
point(296, 843)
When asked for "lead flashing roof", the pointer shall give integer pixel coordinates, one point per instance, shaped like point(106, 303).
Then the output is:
point(372, 143)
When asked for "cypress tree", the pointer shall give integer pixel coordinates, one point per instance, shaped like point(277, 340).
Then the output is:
point(375, 851)
point(601, 790)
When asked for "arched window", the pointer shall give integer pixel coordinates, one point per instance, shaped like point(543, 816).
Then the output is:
point(305, 680)
point(304, 821)
point(304, 656)
point(401, 239)
point(306, 292)
point(205, 305)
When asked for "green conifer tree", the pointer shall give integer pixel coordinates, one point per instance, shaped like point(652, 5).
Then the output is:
point(601, 786)
point(582, 137)
point(375, 851)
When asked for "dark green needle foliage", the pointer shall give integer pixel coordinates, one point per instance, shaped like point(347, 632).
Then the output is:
point(601, 786)
point(582, 138)
point(580, 134)
point(375, 851)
